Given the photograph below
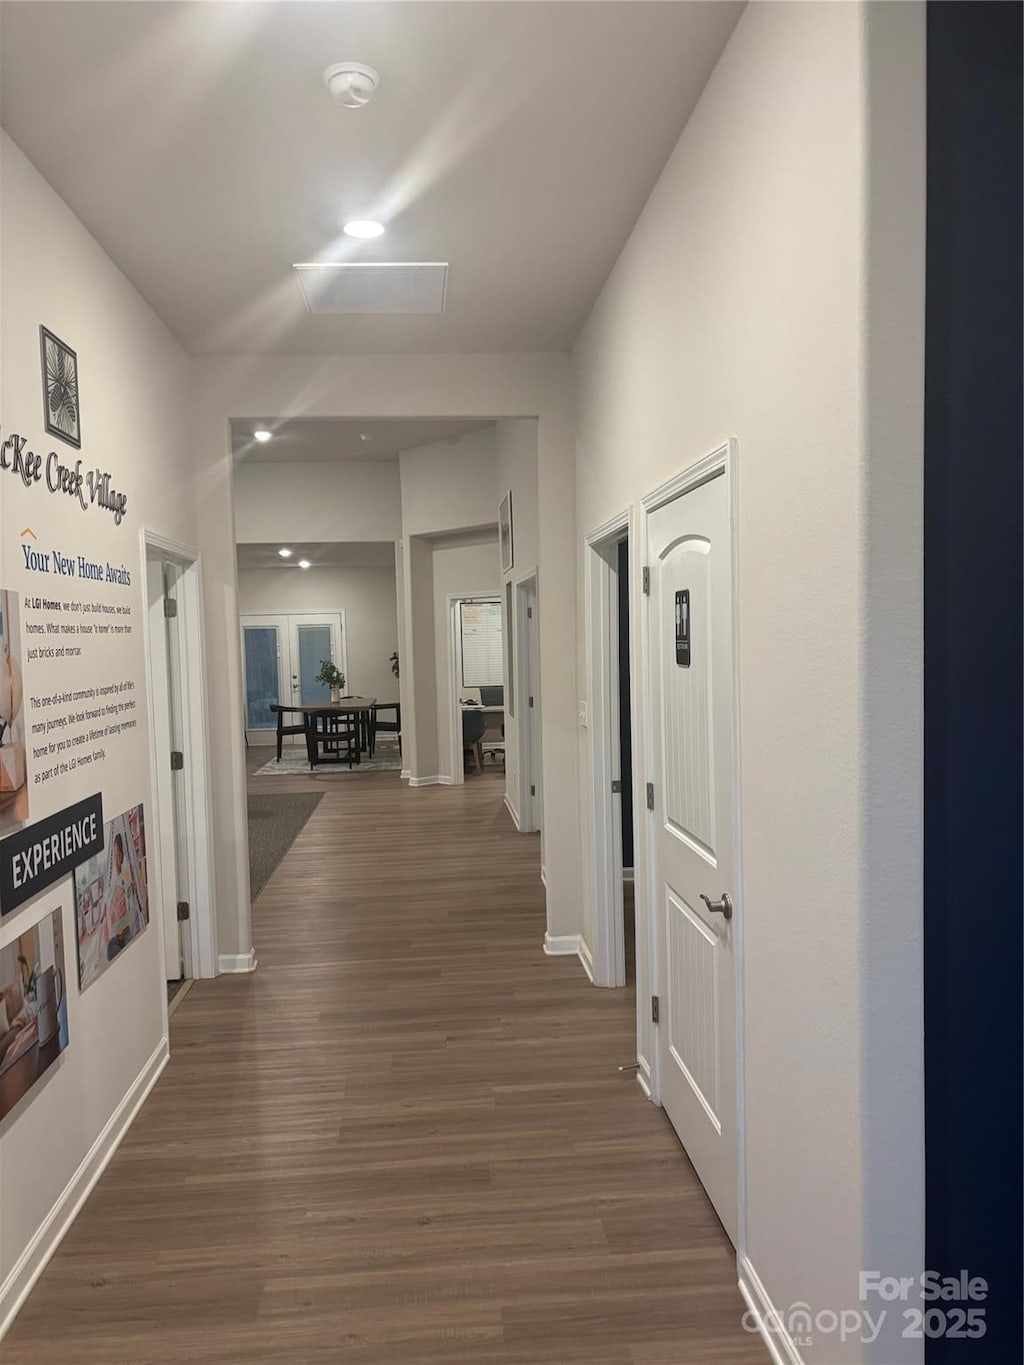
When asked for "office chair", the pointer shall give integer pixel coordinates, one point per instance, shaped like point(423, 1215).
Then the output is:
point(473, 726)
point(494, 696)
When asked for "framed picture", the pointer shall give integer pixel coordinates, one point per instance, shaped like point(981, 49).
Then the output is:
point(61, 411)
point(112, 896)
point(505, 533)
point(13, 778)
point(33, 1008)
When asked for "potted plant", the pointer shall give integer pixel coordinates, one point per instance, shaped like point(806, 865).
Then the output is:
point(331, 676)
point(394, 663)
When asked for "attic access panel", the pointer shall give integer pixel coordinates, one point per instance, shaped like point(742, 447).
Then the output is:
point(374, 287)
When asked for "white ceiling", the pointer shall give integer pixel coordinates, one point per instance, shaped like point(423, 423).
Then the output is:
point(517, 141)
point(336, 555)
point(326, 441)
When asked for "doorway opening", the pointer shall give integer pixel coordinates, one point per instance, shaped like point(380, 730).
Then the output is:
point(611, 728)
point(476, 683)
point(180, 838)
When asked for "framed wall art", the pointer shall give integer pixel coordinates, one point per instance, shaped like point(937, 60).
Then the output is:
point(62, 414)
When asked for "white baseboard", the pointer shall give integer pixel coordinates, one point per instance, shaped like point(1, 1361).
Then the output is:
point(236, 962)
point(570, 945)
point(438, 780)
point(404, 775)
point(514, 813)
point(781, 1346)
point(562, 945)
point(586, 957)
point(34, 1259)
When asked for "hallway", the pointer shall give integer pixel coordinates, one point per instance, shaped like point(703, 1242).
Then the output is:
point(403, 1139)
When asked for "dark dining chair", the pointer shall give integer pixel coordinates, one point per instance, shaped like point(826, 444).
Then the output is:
point(335, 737)
point(385, 727)
point(283, 729)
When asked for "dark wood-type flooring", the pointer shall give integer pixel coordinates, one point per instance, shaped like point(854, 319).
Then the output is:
point(402, 1141)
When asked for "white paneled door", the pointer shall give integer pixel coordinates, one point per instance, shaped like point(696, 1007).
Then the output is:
point(690, 641)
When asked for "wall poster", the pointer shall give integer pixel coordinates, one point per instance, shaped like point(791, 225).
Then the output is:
point(111, 896)
point(33, 1008)
point(74, 766)
point(13, 787)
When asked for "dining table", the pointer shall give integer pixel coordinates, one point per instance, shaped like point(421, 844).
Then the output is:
point(319, 718)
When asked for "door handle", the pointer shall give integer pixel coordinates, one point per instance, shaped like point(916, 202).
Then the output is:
point(722, 907)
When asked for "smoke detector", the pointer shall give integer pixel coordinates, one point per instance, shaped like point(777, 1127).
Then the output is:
point(352, 84)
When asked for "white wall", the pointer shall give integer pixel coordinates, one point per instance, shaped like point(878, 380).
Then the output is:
point(468, 566)
point(449, 485)
point(365, 594)
point(135, 396)
point(772, 291)
point(352, 500)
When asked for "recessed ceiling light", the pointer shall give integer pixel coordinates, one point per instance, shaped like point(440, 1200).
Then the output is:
point(304, 564)
point(262, 434)
point(366, 435)
point(285, 554)
point(364, 227)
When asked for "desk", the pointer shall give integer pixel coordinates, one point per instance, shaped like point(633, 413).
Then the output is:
point(359, 708)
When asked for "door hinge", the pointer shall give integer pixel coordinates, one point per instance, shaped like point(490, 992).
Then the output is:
point(650, 796)
point(183, 912)
point(647, 581)
point(533, 791)
point(170, 607)
point(616, 786)
point(529, 613)
point(655, 1009)
point(177, 760)
point(531, 701)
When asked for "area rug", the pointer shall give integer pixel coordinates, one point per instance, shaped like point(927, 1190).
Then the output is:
point(274, 824)
point(294, 763)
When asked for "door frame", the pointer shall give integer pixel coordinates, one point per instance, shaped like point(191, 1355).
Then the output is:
point(527, 717)
point(194, 716)
point(601, 617)
point(721, 462)
point(452, 602)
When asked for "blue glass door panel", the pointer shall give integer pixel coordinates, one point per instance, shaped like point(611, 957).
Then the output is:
point(261, 676)
point(314, 647)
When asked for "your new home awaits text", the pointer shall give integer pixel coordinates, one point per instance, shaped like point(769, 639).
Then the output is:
point(75, 566)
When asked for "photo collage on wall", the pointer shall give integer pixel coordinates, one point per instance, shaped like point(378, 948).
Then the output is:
point(111, 896)
point(33, 1008)
point(13, 776)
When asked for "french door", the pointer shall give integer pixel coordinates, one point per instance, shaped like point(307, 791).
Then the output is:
point(281, 656)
